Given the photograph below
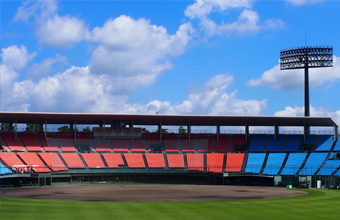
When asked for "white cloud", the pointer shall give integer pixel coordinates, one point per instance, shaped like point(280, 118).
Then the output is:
point(210, 99)
point(37, 9)
point(129, 47)
point(52, 29)
point(15, 57)
point(294, 79)
point(247, 22)
point(61, 31)
point(201, 8)
point(303, 2)
point(316, 112)
point(45, 67)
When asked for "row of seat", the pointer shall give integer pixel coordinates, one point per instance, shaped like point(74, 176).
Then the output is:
point(171, 142)
point(273, 163)
point(52, 160)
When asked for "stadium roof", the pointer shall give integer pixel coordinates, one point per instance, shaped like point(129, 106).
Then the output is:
point(159, 119)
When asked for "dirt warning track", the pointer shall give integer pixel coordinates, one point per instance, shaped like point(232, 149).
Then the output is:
point(150, 193)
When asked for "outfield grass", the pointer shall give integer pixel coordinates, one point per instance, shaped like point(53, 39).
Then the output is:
point(317, 204)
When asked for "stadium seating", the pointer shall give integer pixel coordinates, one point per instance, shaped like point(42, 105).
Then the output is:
point(204, 143)
point(234, 162)
point(175, 160)
point(113, 160)
point(53, 161)
point(292, 143)
point(329, 168)
point(310, 139)
point(325, 143)
point(93, 160)
point(255, 162)
point(11, 160)
point(313, 163)
point(134, 160)
point(274, 145)
point(215, 162)
point(12, 143)
point(33, 161)
point(337, 146)
point(274, 163)
point(102, 147)
point(119, 145)
point(4, 170)
point(222, 144)
point(171, 142)
point(137, 145)
point(30, 141)
point(188, 145)
point(49, 143)
point(72, 160)
point(237, 139)
point(155, 160)
point(257, 142)
point(195, 161)
point(293, 163)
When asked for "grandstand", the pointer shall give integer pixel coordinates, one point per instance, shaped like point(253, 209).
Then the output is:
point(130, 155)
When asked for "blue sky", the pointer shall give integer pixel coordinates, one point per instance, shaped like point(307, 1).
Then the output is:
point(216, 57)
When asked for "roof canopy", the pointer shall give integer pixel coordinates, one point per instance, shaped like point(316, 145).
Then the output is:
point(158, 119)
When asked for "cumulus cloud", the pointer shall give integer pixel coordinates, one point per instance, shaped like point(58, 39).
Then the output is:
point(211, 99)
point(247, 22)
point(45, 67)
point(61, 31)
point(303, 2)
point(201, 8)
point(129, 47)
point(52, 29)
point(15, 57)
point(294, 79)
point(77, 90)
point(316, 112)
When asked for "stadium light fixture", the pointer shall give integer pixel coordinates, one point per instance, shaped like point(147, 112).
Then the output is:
point(305, 58)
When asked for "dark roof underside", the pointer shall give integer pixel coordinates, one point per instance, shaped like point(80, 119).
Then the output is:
point(139, 119)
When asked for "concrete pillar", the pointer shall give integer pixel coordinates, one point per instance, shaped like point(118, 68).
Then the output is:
point(276, 132)
point(246, 132)
point(217, 131)
point(336, 133)
point(160, 131)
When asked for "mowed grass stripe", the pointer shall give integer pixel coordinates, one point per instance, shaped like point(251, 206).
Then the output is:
point(316, 204)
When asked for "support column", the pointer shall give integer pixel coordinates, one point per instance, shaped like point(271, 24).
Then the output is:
point(306, 131)
point(103, 129)
point(16, 129)
point(160, 131)
point(41, 127)
point(132, 130)
point(45, 130)
point(336, 133)
point(217, 131)
point(246, 132)
point(75, 130)
point(276, 131)
point(189, 130)
point(10, 127)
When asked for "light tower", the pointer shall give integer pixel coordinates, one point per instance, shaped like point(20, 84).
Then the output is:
point(305, 58)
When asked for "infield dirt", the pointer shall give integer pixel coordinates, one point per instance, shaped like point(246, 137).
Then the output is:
point(150, 193)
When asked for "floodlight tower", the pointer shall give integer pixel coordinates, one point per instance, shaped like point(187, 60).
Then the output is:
point(305, 58)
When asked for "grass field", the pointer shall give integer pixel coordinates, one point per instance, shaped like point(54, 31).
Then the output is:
point(317, 204)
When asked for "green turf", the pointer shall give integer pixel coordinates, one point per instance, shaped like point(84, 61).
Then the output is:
point(317, 204)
